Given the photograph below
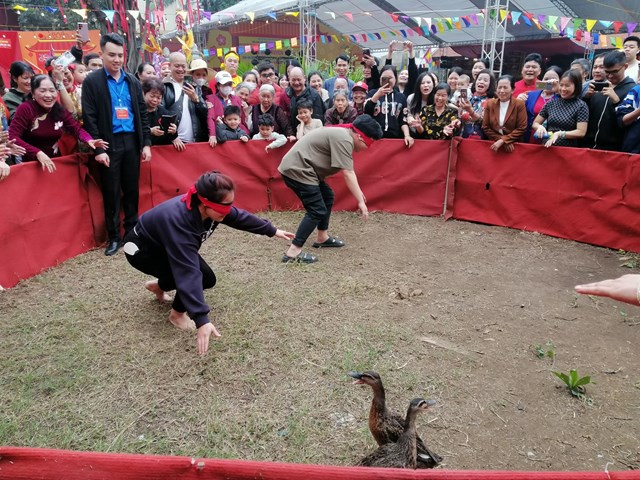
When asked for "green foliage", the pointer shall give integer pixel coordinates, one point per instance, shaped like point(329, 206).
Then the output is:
point(575, 383)
point(545, 351)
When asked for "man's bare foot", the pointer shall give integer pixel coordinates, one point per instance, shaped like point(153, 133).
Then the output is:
point(181, 320)
point(153, 287)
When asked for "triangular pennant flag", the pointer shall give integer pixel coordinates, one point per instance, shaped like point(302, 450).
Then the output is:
point(542, 19)
point(616, 26)
point(459, 25)
point(134, 13)
point(515, 17)
point(219, 52)
point(440, 26)
point(474, 18)
point(434, 29)
point(551, 22)
point(286, 43)
point(503, 14)
point(631, 27)
point(349, 15)
point(292, 14)
point(353, 37)
point(596, 38)
point(605, 23)
point(425, 31)
point(404, 34)
point(564, 21)
point(466, 21)
point(527, 19)
point(79, 11)
point(578, 35)
point(428, 22)
point(569, 32)
point(20, 8)
point(336, 38)
point(394, 18)
point(332, 14)
point(418, 20)
point(272, 15)
point(577, 22)
point(537, 23)
point(603, 40)
point(279, 45)
point(263, 47)
point(240, 50)
point(294, 42)
point(448, 23)
point(590, 24)
point(109, 14)
point(378, 36)
point(251, 15)
point(382, 34)
point(323, 39)
point(371, 36)
point(587, 37)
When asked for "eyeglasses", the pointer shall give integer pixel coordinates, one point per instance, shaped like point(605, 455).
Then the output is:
point(613, 72)
point(267, 75)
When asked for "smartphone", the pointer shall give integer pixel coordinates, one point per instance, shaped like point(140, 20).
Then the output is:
point(540, 85)
point(166, 121)
point(83, 31)
point(598, 86)
point(463, 93)
point(366, 51)
point(65, 59)
point(384, 82)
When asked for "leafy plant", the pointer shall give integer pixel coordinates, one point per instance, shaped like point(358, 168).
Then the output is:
point(545, 351)
point(575, 383)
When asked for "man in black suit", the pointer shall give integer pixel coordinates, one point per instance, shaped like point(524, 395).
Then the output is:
point(114, 109)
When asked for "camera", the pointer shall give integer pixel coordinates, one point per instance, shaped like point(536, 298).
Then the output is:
point(598, 86)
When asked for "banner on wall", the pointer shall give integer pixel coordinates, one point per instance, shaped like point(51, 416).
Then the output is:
point(37, 47)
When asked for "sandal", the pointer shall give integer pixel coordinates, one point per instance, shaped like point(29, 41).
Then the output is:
point(302, 257)
point(329, 242)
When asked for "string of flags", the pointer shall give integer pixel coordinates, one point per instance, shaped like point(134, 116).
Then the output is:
point(582, 30)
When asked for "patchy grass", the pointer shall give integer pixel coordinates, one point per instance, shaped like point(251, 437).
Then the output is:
point(90, 363)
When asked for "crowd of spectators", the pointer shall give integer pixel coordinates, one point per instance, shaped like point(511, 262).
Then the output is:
point(91, 103)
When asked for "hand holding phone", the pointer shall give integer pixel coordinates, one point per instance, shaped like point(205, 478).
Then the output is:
point(598, 86)
point(166, 121)
point(83, 31)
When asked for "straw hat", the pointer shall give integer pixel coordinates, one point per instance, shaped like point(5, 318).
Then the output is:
point(199, 64)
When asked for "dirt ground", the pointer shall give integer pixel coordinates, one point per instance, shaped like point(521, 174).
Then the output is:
point(444, 310)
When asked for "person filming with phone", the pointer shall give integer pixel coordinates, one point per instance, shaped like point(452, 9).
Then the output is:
point(163, 128)
point(609, 87)
point(181, 98)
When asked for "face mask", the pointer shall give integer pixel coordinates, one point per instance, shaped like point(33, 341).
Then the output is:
point(201, 81)
point(226, 90)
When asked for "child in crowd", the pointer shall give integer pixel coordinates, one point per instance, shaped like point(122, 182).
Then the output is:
point(266, 124)
point(463, 84)
point(341, 112)
point(305, 110)
point(359, 95)
point(79, 72)
point(230, 128)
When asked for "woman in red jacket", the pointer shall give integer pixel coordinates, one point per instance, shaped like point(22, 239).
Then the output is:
point(40, 121)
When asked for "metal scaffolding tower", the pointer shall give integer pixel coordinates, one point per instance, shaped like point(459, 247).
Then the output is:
point(308, 32)
point(495, 33)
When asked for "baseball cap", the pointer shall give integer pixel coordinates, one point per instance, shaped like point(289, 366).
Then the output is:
point(223, 77)
point(361, 86)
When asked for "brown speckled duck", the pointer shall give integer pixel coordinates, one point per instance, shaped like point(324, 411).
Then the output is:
point(386, 426)
point(404, 452)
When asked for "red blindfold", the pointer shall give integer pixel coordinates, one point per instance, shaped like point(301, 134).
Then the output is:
point(221, 208)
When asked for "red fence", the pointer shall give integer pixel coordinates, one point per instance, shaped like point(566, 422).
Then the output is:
point(44, 464)
point(583, 195)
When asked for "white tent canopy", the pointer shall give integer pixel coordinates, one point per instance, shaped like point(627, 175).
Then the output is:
point(357, 17)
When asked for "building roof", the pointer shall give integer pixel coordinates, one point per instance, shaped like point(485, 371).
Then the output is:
point(384, 20)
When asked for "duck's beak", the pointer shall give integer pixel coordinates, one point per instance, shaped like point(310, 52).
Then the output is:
point(357, 376)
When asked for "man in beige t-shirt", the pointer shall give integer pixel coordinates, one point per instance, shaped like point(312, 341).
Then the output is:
point(322, 153)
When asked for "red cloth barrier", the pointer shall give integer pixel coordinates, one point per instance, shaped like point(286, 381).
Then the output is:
point(45, 464)
point(583, 195)
point(46, 218)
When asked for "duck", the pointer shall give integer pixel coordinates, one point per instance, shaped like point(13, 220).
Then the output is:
point(387, 426)
point(404, 452)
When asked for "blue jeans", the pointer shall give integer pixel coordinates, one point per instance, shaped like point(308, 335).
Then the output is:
point(317, 200)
